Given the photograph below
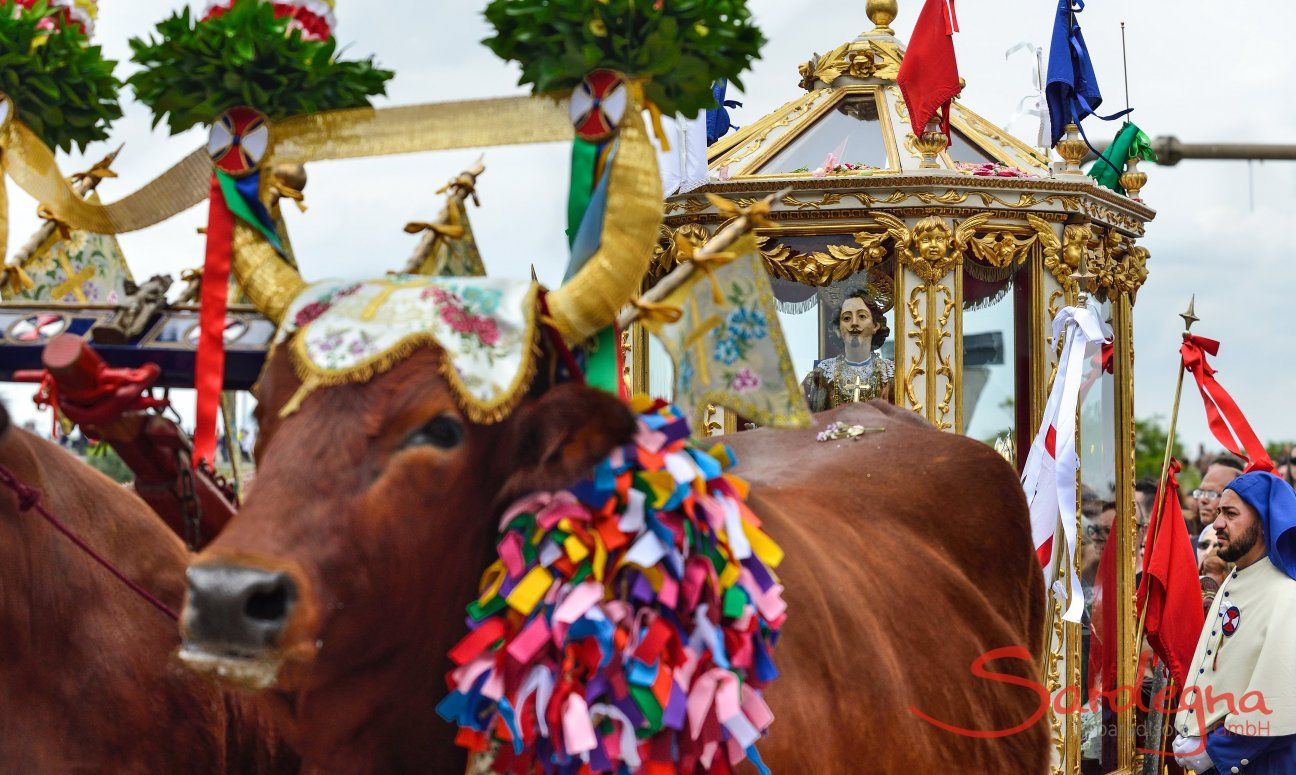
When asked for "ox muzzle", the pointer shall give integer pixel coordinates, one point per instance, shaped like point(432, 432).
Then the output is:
point(233, 622)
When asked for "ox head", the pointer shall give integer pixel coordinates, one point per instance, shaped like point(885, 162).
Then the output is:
point(375, 504)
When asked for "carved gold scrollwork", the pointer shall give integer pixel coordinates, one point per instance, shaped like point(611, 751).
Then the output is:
point(944, 356)
point(919, 334)
point(838, 263)
point(1123, 269)
point(858, 59)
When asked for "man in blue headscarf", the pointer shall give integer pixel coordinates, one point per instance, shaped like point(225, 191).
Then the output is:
point(1238, 713)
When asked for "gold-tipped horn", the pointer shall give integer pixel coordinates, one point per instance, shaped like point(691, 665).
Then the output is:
point(269, 282)
point(590, 301)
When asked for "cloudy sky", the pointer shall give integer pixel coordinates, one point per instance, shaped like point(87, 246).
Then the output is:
point(1195, 72)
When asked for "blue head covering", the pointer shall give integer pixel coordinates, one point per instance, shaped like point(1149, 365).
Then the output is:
point(1275, 502)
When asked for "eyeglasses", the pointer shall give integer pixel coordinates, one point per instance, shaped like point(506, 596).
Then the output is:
point(1206, 495)
point(1097, 532)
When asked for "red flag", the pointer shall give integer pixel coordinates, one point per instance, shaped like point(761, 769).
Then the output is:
point(1102, 623)
point(1225, 418)
point(1170, 587)
point(928, 75)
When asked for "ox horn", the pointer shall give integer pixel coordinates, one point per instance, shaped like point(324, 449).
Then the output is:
point(270, 282)
point(590, 301)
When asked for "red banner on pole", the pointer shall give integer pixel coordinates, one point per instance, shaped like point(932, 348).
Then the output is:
point(1170, 588)
point(209, 372)
point(1223, 415)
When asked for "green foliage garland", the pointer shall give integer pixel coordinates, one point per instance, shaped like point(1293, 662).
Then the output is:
point(195, 71)
point(680, 46)
point(63, 89)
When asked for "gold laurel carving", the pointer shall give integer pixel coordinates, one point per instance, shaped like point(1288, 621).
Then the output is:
point(1028, 200)
point(838, 263)
point(666, 251)
point(830, 198)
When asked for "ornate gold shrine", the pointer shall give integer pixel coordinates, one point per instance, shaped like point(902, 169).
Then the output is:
point(941, 236)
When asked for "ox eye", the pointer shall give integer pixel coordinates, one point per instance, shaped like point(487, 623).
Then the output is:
point(443, 432)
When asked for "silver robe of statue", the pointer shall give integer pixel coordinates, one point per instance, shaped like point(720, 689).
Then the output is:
point(836, 381)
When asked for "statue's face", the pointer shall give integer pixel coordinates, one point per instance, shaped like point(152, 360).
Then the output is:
point(933, 244)
point(856, 324)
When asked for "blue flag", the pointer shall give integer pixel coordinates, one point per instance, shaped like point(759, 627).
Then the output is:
point(1072, 89)
point(717, 118)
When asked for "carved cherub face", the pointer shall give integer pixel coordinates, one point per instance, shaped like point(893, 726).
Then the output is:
point(856, 324)
point(1074, 241)
point(932, 240)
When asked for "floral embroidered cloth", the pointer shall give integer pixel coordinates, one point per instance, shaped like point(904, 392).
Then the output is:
point(728, 347)
point(348, 332)
point(82, 268)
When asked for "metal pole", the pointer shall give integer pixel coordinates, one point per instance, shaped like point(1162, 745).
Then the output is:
point(1189, 317)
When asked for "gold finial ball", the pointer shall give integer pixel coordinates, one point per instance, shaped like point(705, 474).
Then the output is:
point(882, 13)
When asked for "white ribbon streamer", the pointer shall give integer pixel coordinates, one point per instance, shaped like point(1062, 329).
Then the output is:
point(1052, 482)
point(1033, 104)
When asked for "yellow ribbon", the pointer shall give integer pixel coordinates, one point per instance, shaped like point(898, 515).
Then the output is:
point(46, 214)
point(465, 182)
point(16, 279)
point(755, 214)
point(655, 314)
point(654, 112)
point(338, 134)
point(99, 171)
point(449, 230)
point(286, 191)
point(687, 251)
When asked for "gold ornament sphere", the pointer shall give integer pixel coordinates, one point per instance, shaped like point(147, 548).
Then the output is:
point(882, 13)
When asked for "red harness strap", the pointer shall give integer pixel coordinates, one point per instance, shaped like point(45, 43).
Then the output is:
point(29, 500)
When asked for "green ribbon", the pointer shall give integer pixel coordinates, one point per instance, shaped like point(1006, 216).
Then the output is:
point(239, 206)
point(584, 160)
point(601, 370)
point(1130, 143)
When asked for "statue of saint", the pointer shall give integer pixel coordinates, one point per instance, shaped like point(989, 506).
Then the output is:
point(860, 373)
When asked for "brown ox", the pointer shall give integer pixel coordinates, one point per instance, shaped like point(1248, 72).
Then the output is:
point(343, 580)
point(87, 668)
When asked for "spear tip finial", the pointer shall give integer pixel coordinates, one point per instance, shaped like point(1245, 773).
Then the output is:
point(1190, 315)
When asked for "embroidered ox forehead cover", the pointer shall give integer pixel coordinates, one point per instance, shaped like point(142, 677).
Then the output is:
point(349, 332)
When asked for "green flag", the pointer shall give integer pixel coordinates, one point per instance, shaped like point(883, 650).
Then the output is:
point(1131, 142)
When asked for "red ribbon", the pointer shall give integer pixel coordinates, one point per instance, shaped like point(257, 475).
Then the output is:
point(1223, 415)
point(209, 372)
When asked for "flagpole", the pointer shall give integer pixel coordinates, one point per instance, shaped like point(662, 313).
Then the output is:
point(1190, 317)
point(681, 274)
point(1125, 67)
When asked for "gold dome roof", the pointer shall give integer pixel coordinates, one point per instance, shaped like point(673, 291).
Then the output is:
point(852, 103)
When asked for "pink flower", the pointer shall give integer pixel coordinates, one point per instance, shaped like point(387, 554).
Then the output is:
point(309, 313)
point(487, 331)
point(437, 295)
point(745, 381)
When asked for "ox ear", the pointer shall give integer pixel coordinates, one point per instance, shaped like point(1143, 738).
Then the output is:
point(555, 440)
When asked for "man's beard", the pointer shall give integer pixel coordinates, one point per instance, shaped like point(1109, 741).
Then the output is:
point(853, 339)
point(1235, 550)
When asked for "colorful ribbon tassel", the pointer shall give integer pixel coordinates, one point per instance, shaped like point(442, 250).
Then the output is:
point(628, 623)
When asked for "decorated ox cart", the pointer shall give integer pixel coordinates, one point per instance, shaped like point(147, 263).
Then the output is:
point(969, 243)
point(973, 244)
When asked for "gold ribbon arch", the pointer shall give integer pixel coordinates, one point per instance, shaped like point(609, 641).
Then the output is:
point(340, 134)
